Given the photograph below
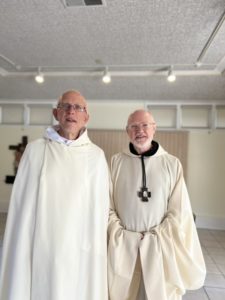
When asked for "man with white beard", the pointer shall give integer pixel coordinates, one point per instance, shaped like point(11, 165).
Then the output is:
point(154, 251)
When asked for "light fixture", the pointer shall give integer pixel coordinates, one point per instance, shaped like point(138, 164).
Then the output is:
point(39, 78)
point(106, 76)
point(198, 64)
point(171, 76)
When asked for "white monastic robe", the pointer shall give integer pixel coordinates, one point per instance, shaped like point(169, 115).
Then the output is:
point(170, 254)
point(55, 244)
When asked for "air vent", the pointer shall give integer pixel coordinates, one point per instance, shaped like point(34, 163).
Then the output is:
point(70, 3)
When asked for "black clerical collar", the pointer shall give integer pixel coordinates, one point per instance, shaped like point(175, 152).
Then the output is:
point(154, 148)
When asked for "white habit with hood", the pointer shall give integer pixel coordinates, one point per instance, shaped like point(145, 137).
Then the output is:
point(55, 244)
point(170, 253)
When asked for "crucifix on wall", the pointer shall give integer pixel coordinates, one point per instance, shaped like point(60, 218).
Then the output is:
point(18, 152)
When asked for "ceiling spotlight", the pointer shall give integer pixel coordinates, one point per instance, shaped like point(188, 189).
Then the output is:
point(106, 76)
point(198, 63)
point(171, 76)
point(39, 78)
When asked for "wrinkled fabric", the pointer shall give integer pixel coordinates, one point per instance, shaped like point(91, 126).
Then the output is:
point(170, 252)
point(55, 244)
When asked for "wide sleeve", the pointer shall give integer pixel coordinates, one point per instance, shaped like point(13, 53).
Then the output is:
point(174, 247)
point(16, 278)
point(123, 248)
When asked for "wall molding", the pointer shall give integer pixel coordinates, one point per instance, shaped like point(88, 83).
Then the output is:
point(210, 222)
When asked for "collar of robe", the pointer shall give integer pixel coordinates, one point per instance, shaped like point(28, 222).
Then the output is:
point(144, 193)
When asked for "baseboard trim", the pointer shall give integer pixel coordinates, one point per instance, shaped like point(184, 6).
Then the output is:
point(210, 222)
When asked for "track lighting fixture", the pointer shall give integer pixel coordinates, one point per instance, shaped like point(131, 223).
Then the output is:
point(171, 76)
point(106, 76)
point(198, 63)
point(39, 78)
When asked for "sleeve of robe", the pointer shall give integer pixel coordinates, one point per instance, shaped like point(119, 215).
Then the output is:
point(171, 256)
point(122, 253)
point(123, 248)
point(174, 246)
point(16, 278)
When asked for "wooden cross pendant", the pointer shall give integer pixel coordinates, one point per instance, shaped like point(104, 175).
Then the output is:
point(144, 194)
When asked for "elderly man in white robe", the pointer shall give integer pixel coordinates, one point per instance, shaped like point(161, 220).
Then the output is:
point(154, 251)
point(55, 244)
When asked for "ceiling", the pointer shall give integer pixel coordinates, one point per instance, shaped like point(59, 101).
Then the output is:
point(136, 40)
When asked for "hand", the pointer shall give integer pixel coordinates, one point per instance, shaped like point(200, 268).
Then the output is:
point(142, 235)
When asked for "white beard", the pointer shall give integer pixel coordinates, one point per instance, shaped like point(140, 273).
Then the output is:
point(142, 147)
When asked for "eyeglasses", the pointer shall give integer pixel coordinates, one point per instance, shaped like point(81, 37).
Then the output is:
point(68, 106)
point(138, 126)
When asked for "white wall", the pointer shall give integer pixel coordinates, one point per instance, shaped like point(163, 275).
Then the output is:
point(206, 160)
point(111, 115)
point(206, 177)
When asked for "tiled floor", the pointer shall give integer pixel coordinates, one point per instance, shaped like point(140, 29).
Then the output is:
point(213, 246)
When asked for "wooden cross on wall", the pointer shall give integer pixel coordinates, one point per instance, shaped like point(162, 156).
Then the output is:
point(19, 149)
